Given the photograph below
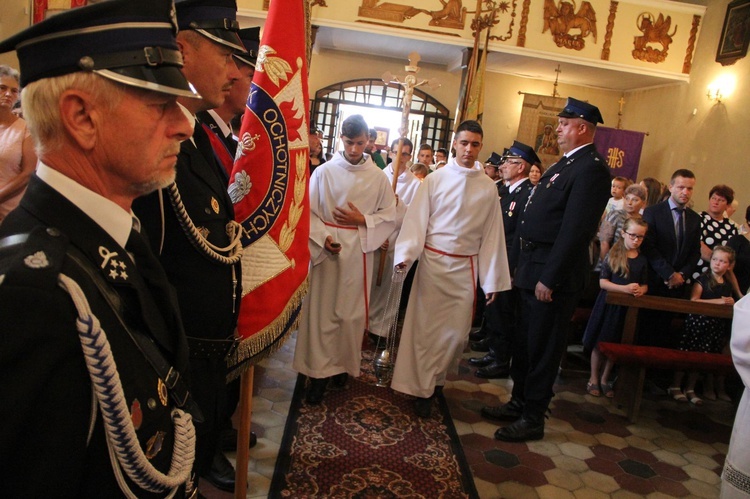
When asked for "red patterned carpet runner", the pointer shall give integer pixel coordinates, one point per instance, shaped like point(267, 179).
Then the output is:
point(363, 441)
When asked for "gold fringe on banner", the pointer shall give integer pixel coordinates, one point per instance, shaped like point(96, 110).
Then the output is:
point(268, 341)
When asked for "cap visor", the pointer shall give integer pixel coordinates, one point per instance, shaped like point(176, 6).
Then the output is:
point(224, 37)
point(164, 79)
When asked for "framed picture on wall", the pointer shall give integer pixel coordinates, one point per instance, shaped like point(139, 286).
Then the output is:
point(381, 142)
point(735, 35)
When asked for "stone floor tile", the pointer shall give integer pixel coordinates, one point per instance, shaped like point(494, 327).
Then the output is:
point(700, 488)
point(576, 450)
point(569, 463)
point(581, 438)
point(669, 487)
point(639, 455)
point(641, 443)
point(515, 490)
point(702, 460)
point(599, 481)
point(635, 484)
point(563, 479)
point(544, 447)
point(670, 457)
point(671, 445)
point(590, 494)
point(666, 470)
point(643, 431)
point(465, 386)
point(604, 466)
point(486, 489)
point(700, 448)
point(611, 440)
point(558, 425)
point(269, 418)
point(536, 461)
point(553, 492)
point(701, 474)
point(276, 394)
point(626, 494)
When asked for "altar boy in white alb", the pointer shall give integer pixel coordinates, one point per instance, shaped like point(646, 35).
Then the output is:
point(455, 228)
point(352, 212)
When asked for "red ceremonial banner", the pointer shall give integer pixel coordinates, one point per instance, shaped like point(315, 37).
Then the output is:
point(268, 185)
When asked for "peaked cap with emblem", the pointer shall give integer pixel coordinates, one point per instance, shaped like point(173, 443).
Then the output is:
point(495, 159)
point(129, 41)
point(526, 153)
point(214, 19)
point(575, 108)
point(251, 41)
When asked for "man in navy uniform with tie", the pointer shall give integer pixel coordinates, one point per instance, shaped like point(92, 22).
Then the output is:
point(503, 313)
point(672, 247)
point(192, 229)
point(93, 354)
point(552, 268)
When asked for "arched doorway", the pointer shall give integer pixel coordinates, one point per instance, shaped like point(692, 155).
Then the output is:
point(325, 111)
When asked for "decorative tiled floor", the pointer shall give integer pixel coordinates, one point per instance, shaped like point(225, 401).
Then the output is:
point(590, 450)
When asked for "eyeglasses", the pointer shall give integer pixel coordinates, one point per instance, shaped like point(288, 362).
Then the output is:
point(508, 162)
point(634, 237)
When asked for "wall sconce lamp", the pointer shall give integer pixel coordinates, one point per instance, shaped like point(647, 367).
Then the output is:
point(720, 88)
point(714, 94)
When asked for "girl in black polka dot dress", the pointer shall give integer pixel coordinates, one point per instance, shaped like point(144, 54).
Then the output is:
point(703, 333)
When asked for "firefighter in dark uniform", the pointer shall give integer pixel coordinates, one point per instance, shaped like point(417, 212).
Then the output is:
point(552, 267)
point(93, 354)
point(192, 229)
point(222, 127)
point(503, 313)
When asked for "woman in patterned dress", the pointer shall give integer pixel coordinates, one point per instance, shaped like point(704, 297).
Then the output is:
point(716, 229)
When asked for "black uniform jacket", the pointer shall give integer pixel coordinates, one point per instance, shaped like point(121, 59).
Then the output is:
point(204, 287)
point(660, 244)
point(45, 388)
point(560, 220)
point(512, 205)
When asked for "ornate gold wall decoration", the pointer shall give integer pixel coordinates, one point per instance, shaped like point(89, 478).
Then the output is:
point(654, 32)
point(451, 15)
point(687, 65)
point(610, 27)
point(495, 8)
point(560, 19)
point(524, 21)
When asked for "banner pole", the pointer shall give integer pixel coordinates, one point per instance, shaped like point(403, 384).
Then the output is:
point(243, 433)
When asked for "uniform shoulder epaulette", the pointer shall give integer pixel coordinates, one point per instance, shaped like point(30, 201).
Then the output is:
point(34, 258)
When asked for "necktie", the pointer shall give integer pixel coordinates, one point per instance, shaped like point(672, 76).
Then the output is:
point(203, 144)
point(503, 190)
point(148, 266)
point(158, 306)
point(680, 227)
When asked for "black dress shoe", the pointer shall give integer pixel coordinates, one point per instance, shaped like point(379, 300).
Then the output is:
point(221, 474)
point(493, 371)
point(482, 361)
point(423, 406)
point(228, 440)
point(522, 430)
point(481, 346)
point(339, 380)
point(477, 335)
point(316, 390)
point(511, 411)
